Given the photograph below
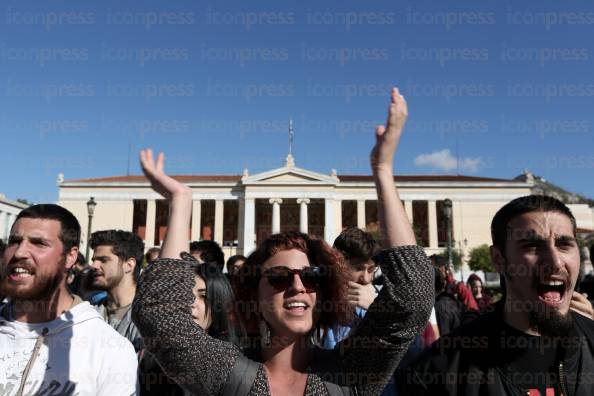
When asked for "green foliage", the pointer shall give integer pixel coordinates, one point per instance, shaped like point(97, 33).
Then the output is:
point(480, 259)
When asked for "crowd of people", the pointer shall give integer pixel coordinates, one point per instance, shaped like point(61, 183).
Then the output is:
point(297, 316)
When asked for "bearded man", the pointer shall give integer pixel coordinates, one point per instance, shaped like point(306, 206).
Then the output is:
point(51, 342)
point(116, 263)
point(531, 343)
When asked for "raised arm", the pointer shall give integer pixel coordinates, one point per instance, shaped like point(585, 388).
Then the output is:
point(395, 227)
point(161, 309)
point(402, 308)
point(180, 203)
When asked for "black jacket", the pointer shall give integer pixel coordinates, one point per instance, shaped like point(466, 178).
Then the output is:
point(448, 312)
point(468, 362)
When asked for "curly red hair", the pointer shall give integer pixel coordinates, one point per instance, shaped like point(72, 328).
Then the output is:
point(334, 304)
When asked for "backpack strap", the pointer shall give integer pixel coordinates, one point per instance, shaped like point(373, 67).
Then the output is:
point(242, 377)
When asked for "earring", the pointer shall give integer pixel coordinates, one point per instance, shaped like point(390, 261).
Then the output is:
point(264, 333)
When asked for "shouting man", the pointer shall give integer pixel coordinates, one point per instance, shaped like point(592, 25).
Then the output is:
point(52, 342)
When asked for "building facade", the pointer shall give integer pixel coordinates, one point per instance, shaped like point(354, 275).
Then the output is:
point(9, 210)
point(239, 211)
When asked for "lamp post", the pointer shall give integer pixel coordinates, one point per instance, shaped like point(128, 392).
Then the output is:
point(447, 212)
point(462, 246)
point(91, 211)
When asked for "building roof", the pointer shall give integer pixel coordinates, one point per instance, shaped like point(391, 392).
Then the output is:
point(11, 202)
point(142, 179)
point(423, 178)
point(237, 178)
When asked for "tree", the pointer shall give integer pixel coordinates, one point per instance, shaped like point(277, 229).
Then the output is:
point(480, 259)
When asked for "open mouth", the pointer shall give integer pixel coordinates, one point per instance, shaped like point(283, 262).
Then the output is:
point(20, 273)
point(551, 292)
point(296, 306)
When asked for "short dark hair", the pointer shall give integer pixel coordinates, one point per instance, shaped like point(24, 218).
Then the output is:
point(149, 253)
point(69, 226)
point(80, 259)
point(211, 252)
point(520, 206)
point(124, 244)
point(438, 261)
point(356, 244)
point(232, 260)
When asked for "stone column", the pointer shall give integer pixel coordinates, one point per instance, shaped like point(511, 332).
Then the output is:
point(275, 214)
point(218, 222)
point(196, 214)
point(7, 224)
point(329, 226)
point(3, 235)
point(409, 210)
point(151, 217)
point(248, 234)
point(303, 223)
point(127, 220)
point(361, 214)
point(432, 224)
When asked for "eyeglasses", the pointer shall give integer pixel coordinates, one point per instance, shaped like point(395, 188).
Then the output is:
point(281, 278)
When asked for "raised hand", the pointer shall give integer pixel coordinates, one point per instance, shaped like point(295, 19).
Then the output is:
point(361, 295)
point(387, 137)
point(180, 201)
point(165, 185)
point(394, 225)
point(580, 304)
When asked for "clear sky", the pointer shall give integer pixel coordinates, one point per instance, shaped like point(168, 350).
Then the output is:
point(493, 87)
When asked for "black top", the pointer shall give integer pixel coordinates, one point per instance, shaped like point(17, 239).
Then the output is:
point(535, 362)
point(488, 357)
point(448, 312)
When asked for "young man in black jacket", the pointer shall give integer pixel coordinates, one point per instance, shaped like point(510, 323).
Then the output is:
point(530, 343)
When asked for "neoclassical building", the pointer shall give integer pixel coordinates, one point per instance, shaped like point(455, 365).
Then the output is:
point(238, 211)
point(9, 209)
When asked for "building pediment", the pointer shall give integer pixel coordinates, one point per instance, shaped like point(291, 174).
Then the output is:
point(290, 175)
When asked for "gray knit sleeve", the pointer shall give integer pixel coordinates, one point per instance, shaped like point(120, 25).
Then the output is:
point(161, 311)
point(396, 317)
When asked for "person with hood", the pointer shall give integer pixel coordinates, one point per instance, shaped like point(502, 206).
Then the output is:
point(51, 342)
point(475, 284)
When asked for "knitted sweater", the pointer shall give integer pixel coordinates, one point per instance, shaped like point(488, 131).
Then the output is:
point(364, 362)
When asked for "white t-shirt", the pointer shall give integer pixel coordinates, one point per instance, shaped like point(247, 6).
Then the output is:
point(80, 355)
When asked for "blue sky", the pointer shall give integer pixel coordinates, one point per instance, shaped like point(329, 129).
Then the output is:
point(493, 87)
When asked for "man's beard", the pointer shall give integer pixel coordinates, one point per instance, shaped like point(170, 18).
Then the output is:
point(551, 322)
point(42, 288)
point(109, 283)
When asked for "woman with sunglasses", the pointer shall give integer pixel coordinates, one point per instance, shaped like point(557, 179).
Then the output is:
point(291, 288)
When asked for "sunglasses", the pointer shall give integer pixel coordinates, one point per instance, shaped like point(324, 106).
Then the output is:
point(281, 278)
